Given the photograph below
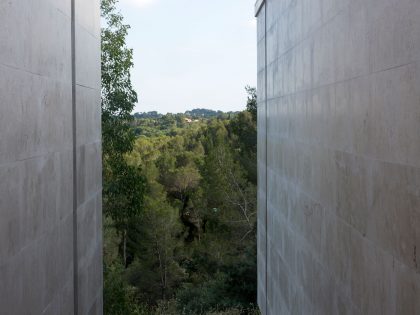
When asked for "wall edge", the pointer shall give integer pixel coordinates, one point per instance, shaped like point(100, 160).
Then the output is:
point(258, 5)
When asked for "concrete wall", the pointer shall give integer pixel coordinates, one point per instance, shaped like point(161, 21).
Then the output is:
point(50, 220)
point(339, 156)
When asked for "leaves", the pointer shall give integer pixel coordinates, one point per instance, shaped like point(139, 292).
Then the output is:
point(252, 105)
point(118, 95)
point(179, 199)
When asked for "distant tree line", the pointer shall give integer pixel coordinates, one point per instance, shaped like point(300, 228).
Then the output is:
point(195, 113)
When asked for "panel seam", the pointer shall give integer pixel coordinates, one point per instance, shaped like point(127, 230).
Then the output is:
point(74, 133)
point(266, 158)
point(258, 6)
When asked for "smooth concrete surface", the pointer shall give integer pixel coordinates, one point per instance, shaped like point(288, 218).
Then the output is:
point(339, 157)
point(89, 156)
point(37, 208)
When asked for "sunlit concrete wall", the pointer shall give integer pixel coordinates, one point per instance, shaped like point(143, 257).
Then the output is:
point(50, 220)
point(339, 156)
point(88, 149)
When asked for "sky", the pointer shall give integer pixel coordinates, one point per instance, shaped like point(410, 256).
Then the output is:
point(191, 53)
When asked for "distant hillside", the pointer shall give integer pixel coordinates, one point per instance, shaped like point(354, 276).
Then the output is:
point(153, 114)
point(203, 113)
point(154, 124)
point(195, 113)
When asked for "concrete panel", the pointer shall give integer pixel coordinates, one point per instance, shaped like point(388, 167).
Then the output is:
point(88, 156)
point(88, 16)
point(36, 47)
point(338, 156)
point(88, 68)
point(261, 148)
point(36, 158)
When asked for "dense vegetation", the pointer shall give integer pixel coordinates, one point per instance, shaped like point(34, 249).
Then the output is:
point(192, 114)
point(153, 123)
point(179, 199)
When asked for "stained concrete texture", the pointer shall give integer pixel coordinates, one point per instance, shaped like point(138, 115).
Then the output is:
point(339, 156)
point(47, 227)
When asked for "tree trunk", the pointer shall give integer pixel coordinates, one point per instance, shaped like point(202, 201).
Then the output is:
point(125, 248)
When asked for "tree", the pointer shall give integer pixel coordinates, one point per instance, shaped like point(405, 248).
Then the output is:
point(120, 298)
point(251, 105)
point(118, 95)
point(124, 185)
point(243, 129)
point(228, 189)
point(155, 270)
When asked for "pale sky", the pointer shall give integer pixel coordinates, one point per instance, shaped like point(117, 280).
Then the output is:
point(191, 53)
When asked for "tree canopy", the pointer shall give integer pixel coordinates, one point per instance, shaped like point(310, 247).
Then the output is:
point(179, 199)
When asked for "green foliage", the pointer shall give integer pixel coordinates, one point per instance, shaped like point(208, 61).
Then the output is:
point(153, 124)
point(123, 191)
point(118, 95)
point(179, 199)
point(251, 105)
point(155, 271)
point(192, 249)
point(195, 242)
point(202, 297)
point(123, 184)
point(206, 113)
point(251, 310)
point(244, 133)
point(119, 298)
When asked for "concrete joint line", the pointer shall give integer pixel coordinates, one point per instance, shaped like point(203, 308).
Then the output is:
point(258, 6)
point(74, 134)
point(263, 3)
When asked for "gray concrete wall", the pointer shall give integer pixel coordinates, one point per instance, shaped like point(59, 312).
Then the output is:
point(46, 226)
point(89, 157)
point(339, 156)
